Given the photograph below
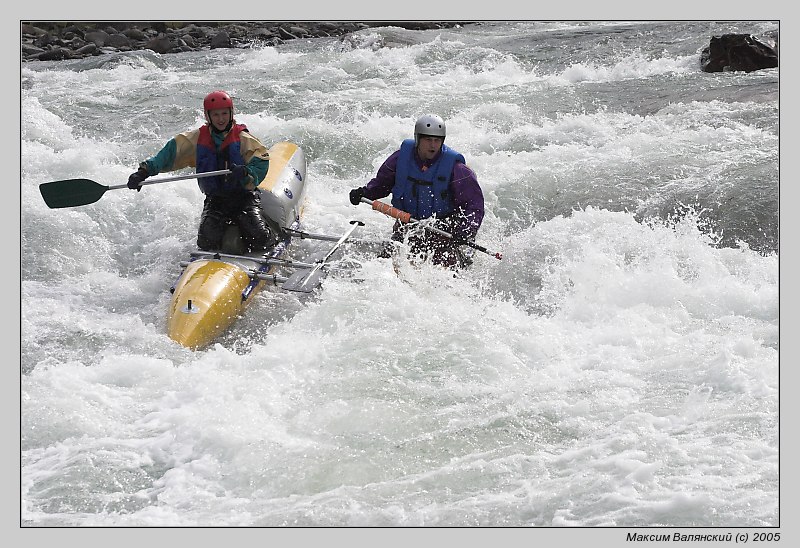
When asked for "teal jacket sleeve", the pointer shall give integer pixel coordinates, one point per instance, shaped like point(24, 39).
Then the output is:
point(163, 160)
point(258, 167)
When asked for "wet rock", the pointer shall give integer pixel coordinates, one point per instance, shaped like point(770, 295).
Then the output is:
point(221, 40)
point(299, 31)
point(195, 32)
point(738, 52)
point(29, 50)
point(159, 44)
point(56, 54)
point(118, 41)
point(187, 40)
point(31, 30)
point(263, 33)
point(99, 37)
point(134, 34)
point(286, 34)
point(88, 49)
point(43, 40)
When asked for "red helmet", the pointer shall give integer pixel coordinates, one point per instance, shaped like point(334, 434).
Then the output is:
point(217, 99)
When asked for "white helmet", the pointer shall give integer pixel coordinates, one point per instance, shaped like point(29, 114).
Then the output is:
point(430, 124)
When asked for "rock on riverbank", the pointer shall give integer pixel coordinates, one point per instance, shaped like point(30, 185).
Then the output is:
point(56, 41)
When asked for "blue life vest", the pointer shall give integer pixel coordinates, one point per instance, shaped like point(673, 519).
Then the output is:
point(209, 159)
point(424, 193)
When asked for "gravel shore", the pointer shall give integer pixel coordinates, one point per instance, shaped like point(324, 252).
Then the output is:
point(60, 40)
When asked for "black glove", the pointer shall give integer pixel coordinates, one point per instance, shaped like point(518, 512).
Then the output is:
point(355, 195)
point(238, 174)
point(135, 180)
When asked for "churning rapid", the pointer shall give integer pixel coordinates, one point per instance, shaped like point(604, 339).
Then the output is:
point(618, 367)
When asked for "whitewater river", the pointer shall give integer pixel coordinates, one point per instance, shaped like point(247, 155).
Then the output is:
point(618, 368)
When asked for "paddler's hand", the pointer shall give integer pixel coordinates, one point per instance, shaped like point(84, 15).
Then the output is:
point(136, 179)
point(238, 174)
point(355, 195)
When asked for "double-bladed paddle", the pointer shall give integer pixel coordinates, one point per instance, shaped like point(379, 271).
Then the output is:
point(78, 192)
point(405, 217)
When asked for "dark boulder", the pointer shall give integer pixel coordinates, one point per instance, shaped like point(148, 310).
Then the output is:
point(299, 31)
point(286, 35)
point(118, 41)
point(187, 40)
point(98, 37)
point(25, 28)
point(44, 40)
point(72, 31)
point(135, 34)
point(195, 32)
point(88, 49)
point(261, 33)
point(738, 52)
point(159, 44)
point(30, 50)
point(221, 40)
point(56, 54)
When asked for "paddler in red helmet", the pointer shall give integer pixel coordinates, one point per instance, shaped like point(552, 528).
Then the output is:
point(219, 144)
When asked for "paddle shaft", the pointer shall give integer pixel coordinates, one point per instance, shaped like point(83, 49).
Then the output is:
point(312, 236)
point(176, 178)
point(405, 217)
point(322, 262)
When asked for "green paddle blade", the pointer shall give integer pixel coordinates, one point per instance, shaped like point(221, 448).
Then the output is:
point(71, 192)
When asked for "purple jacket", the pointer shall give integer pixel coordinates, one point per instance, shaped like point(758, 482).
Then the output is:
point(465, 192)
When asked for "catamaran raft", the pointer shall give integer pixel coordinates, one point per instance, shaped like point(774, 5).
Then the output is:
point(215, 287)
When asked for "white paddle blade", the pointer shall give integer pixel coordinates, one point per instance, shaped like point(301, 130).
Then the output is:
point(304, 281)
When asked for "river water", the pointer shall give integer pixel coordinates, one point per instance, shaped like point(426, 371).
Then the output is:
point(617, 368)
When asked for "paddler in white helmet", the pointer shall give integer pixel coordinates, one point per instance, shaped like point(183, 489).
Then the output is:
point(427, 179)
point(219, 144)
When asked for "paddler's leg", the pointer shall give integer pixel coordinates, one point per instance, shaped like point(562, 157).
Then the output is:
point(445, 251)
point(213, 223)
point(390, 248)
point(255, 232)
